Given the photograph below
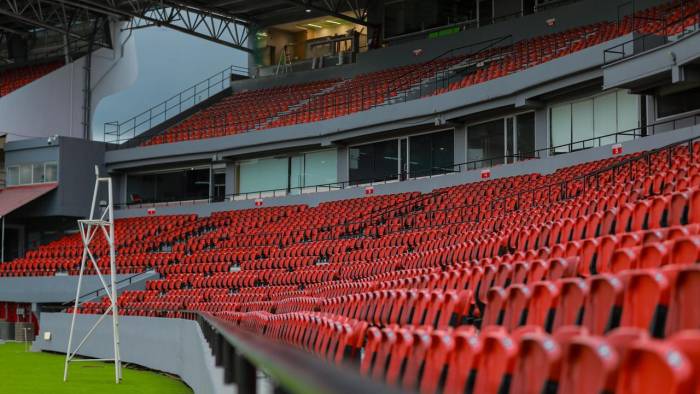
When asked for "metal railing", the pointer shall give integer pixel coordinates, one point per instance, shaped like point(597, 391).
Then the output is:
point(118, 132)
point(98, 292)
point(242, 354)
point(574, 146)
point(666, 32)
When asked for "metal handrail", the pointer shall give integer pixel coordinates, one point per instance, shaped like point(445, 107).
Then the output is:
point(620, 51)
point(120, 131)
point(471, 165)
point(96, 293)
point(242, 354)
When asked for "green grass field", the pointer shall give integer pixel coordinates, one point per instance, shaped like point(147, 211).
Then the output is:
point(38, 373)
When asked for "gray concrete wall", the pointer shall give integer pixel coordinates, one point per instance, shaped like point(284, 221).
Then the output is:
point(174, 346)
point(652, 64)
point(57, 289)
point(30, 151)
point(424, 185)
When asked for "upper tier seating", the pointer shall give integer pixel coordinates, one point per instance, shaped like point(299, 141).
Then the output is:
point(15, 78)
point(242, 111)
point(296, 104)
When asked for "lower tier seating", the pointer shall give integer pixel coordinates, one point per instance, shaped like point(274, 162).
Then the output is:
point(582, 281)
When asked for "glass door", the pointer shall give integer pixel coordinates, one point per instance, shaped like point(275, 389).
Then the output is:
point(403, 159)
point(486, 144)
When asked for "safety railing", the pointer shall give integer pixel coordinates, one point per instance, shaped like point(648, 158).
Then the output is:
point(583, 144)
point(118, 132)
point(97, 293)
point(242, 355)
point(245, 357)
point(667, 30)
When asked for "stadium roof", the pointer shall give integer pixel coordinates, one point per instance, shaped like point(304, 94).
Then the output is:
point(226, 22)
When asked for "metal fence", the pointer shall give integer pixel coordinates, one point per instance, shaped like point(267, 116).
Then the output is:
point(119, 132)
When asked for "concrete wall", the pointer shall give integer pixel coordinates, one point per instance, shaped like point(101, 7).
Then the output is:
point(57, 289)
point(54, 104)
point(174, 346)
point(424, 185)
point(653, 65)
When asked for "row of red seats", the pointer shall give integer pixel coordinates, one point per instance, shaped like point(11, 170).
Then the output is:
point(15, 78)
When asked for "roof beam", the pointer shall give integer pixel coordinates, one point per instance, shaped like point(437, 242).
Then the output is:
point(55, 19)
point(332, 10)
point(182, 16)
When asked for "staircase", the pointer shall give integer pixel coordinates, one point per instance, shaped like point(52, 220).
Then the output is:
point(301, 104)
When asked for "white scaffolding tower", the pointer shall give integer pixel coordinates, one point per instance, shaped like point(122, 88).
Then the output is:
point(98, 222)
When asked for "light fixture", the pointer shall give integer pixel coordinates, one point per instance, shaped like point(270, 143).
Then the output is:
point(308, 10)
point(333, 22)
point(313, 25)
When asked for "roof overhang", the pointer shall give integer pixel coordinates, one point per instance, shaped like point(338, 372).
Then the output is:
point(15, 197)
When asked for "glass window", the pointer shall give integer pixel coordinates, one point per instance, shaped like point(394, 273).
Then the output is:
point(561, 127)
point(510, 141)
point(485, 12)
point(263, 175)
point(38, 173)
point(486, 141)
point(25, 174)
point(526, 134)
point(376, 161)
point(13, 176)
point(50, 172)
point(190, 184)
point(678, 103)
point(582, 123)
point(321, 168)
point(628, 111)
point(394, 18)
point(296, 174)
point(606, 114)
point(141, 188)
point(219, 185)
point(606, 117)
point(431, 154)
